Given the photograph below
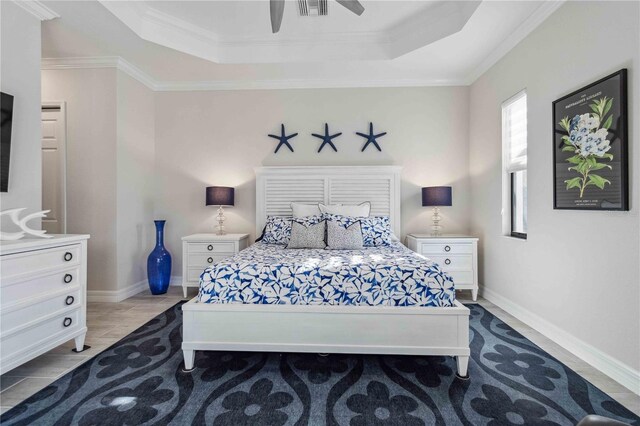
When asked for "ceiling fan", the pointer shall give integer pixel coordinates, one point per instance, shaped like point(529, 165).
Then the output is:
point(277, 9)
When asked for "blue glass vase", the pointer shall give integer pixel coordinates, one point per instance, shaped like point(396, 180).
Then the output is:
point(159, 263)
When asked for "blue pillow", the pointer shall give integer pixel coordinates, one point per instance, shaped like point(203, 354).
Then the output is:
point(376, 230)
point(278, 228)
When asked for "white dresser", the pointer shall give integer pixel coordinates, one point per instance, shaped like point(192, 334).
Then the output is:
point(200, 251)
point(43, 293)
point(457, 255)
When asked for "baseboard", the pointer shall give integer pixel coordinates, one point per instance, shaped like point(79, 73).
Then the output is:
point(618, 371)
point(117, 295)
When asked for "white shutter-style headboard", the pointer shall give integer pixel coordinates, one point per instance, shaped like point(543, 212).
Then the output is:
point(278, 187)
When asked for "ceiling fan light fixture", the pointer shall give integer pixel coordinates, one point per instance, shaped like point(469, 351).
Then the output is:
point(313, 8)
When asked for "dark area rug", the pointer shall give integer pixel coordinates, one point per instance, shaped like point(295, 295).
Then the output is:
point(139, 380)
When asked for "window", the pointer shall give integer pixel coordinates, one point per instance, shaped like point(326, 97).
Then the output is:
point(514, 165)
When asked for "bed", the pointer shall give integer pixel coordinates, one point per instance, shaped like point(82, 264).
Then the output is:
point(384, 300)
point(271, 274)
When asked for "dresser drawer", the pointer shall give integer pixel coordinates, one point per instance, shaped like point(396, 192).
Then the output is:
point(40, 334)
point(462, 262)
point(18, 289)
point(33, 312)
point(445, 248)
point(204, 260)
point(212, 247)
point(33, 261)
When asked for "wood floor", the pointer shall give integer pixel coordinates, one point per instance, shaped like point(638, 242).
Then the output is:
point(109, 322)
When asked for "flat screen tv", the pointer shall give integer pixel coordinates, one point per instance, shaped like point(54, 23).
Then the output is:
point(6, 117)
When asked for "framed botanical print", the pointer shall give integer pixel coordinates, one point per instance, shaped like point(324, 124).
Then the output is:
point(590, 159)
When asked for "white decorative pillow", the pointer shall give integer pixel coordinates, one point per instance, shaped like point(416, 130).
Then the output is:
point(359, 210)
point(304, 210)
point(341, 238)
point(307, 237)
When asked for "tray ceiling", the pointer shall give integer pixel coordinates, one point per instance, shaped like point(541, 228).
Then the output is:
point(240, 31)
point(88, 35)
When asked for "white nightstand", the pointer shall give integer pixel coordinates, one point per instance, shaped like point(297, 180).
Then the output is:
point(457, 255)
point(200, 251)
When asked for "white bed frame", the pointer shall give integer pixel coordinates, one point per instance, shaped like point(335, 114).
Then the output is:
point(327, 329)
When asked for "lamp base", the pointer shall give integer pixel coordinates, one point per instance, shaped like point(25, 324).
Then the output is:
point(220, 218)
point(435, 227)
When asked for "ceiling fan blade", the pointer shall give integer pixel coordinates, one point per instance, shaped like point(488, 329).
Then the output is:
point(277, 10)
point(352, 5)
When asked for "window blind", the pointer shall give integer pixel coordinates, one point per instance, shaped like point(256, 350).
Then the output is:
point(514, 128)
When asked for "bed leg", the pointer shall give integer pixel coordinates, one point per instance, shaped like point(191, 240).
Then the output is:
point(463, 364)
point(189, 357)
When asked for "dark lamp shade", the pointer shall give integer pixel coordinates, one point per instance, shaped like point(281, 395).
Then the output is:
point(436, 196)
point(220, 196)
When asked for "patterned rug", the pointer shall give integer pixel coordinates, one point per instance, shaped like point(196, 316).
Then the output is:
point(139, 380)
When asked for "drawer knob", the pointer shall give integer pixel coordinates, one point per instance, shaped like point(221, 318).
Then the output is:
point(68, 278)
point(447, 261)
point(210, 260)
point(68, 256)
point(67, 322)
point(447, 248)
point(69, 300)
point(209, 247)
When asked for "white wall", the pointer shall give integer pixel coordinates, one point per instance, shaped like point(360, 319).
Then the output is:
point(90, 96)
point(20, 77)
point(135, 170)
point(578, 270)
point(217, 138)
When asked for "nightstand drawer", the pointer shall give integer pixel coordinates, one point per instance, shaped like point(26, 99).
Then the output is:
point(443, 248)
point(212, 247)
point(463, 262)
point(200, 251)
point(193, 274)
point(204, 260)
point(461, 277)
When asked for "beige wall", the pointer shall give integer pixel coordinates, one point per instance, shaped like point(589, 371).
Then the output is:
point(135, 169)
point(110, 166)
point(217, 138)
point(90, 98)
point(20, 76)
point(578, 270)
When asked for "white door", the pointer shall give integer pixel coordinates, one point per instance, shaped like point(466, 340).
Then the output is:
point(54, 167)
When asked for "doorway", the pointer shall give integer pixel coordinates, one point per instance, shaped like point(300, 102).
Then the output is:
point(54, 167)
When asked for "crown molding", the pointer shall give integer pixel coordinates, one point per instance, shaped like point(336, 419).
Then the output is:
point(136, 73)
point(96, 62)
point(84, 62)
point(307, 83)
point(37, 9)
point(531, 23)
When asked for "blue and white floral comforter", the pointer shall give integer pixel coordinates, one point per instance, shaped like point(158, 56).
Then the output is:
point(271, 274)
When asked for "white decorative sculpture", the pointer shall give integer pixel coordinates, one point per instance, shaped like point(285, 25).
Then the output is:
point(14, 214)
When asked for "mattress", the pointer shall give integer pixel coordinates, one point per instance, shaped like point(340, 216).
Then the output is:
point(271, 274)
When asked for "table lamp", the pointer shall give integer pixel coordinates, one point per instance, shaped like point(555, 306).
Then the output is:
point(436, 197)
point(220, 196)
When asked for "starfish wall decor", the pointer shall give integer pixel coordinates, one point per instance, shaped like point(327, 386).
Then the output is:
point(326, 138)
point(284, 139)
point(371, 138)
